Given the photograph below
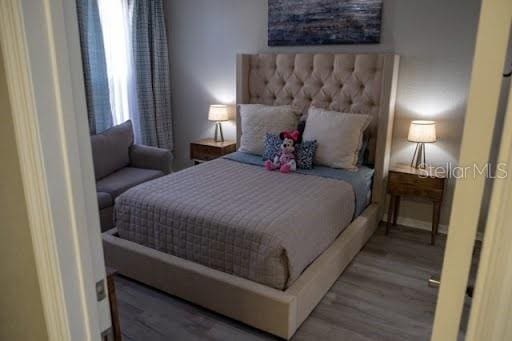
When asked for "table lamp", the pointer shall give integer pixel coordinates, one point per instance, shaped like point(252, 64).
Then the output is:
point(421, 132)
point(219, 113)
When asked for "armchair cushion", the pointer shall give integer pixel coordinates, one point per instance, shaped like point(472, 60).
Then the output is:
point(150, 158)
point(124, 179)
point(107, 218)
point(110, 149)
point(104, 200)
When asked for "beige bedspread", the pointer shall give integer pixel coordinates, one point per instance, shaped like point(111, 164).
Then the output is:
point(238, 218)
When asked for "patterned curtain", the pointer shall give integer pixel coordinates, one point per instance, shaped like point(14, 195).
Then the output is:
point(151, 59)
point(94, 65)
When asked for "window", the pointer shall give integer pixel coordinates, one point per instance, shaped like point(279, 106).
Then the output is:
point(114, 17)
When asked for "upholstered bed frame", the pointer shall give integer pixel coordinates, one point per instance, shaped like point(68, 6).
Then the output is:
point(354, 83)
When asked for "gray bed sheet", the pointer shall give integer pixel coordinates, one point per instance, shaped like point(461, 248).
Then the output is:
point(238, 218)
point(360, 179)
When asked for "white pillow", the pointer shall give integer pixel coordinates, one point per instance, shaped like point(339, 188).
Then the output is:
point(258, 119)
point(339, 136)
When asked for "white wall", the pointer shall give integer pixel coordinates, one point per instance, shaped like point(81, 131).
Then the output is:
point(435, 39)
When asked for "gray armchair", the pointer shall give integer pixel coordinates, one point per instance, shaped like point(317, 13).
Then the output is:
point(119, 165)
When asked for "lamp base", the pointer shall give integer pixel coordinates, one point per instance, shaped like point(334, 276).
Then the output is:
point(418, 159)
point(219, 136)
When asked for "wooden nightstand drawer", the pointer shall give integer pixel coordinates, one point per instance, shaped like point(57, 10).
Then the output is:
point(407, 181)
point(405, 189)
point(407, 184)
point(205, 153)
point(208, 149)
point(419, 181)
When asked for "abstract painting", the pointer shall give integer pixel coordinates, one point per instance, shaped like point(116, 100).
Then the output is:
point(323, 22)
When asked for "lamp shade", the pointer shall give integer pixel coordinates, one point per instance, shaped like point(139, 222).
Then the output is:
point(422, 132)
point(219, 112)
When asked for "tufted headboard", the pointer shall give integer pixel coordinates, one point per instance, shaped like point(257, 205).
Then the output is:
point(349, 83)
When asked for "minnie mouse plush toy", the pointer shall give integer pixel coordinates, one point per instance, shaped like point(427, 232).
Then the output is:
point(285, 160)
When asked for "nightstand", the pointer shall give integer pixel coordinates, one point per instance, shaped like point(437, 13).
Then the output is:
point(207, 150)
point(411, 182)
point(114, 311)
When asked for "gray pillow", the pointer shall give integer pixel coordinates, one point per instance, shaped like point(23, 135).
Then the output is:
point(110, 149)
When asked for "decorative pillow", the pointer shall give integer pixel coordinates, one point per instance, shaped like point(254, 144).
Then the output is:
point(272, 146)
point(339, 136)
point(258, 119)
point(304, 152)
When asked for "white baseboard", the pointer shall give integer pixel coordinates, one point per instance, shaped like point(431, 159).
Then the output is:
point(426, 226)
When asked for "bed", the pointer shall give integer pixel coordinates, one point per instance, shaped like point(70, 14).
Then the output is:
point(218, 234)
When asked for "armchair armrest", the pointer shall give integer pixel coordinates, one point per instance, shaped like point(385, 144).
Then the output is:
point(150, 158)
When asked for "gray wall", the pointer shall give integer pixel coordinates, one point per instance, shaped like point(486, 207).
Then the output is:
point(435, 39)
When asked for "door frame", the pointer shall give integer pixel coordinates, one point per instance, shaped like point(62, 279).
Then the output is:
point(40, 45)
point(492, 300)
point(486, 82)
